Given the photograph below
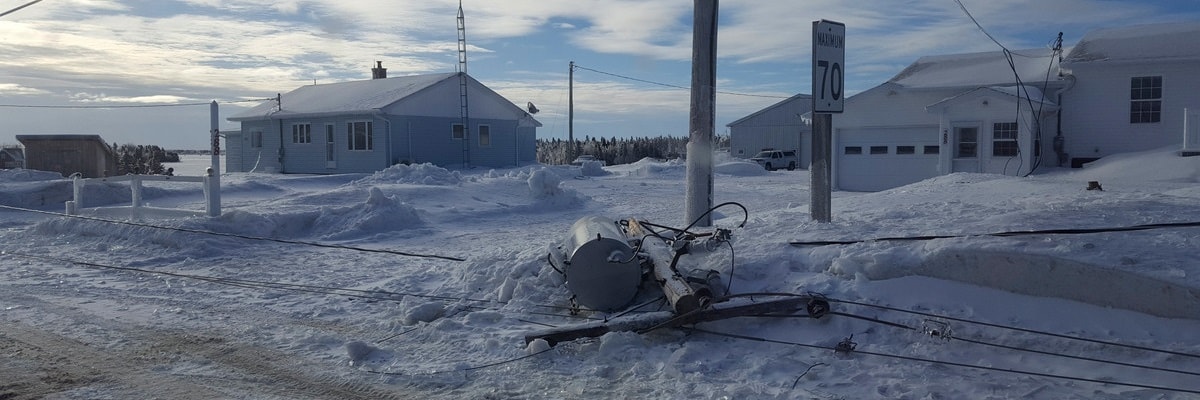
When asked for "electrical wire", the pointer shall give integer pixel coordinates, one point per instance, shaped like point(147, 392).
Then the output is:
point(577, 66)
point(19, 8)
point(1014, 348)
point(380, 295)
point(1064, 231)
point(1018, 329)
point(949, 363)
point(130, 105)
point(474, 368)
point(234, 235)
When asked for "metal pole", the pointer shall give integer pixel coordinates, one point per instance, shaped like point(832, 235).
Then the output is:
point(699, 197)
point(214, 192)
point(820, 172)
point(571, 113)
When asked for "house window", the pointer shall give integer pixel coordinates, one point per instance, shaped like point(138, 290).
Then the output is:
point(457, 132)
point(301, 133)
point(1145, 95)
point(879, 149)
point(256, 139)
point(933, 149)
point(359, 136)
point(906, 149)
point(853, 150)
point(485, 135)
point(329, 143)
point(1004, 139)
point(968, 142)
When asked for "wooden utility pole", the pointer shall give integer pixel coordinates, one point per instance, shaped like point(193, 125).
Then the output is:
point(699, 197)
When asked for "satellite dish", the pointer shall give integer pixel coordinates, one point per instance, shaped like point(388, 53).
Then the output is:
point(531, 108)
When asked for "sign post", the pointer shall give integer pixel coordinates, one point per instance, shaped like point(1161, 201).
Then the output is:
point(828, 86)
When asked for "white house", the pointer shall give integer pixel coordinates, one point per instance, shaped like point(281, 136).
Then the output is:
point(1118, 90)
point(949, 113)
point(369, 125)
point(777, 127)
point(1131, 88)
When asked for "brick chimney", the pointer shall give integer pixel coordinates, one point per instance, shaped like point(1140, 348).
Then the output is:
point(379, 72)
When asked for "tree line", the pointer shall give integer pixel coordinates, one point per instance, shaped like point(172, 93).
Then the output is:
point(616, 150)
point(142, 159)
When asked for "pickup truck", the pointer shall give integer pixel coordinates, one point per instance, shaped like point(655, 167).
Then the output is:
point(775, 159)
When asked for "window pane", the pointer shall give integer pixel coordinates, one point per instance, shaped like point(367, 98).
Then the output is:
point(853, 150)
point(933, 149)
point(906, 149)
point(485, 135)
point(456, 131)
point(879, 149)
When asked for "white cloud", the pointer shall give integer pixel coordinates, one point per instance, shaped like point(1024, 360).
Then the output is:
point(84, 97)
point(13, 89)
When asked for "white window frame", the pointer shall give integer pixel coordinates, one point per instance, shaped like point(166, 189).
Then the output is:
point(354, 143)
point(1145, 101)
point(958, 142)
point(330, 146)
point(1005, 143)
point(256, 139)
point(302, 133)
point(485, 135)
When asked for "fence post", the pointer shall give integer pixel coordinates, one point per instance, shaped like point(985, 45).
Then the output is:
point(77, 183)
point(135, 186)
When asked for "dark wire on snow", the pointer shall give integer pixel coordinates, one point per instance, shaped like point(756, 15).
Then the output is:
point(474, 368)
point(383, 296)
point(1018, 329)
point(234, 235)
point(948, 363)
point(1069, 231)
point(1014, 348)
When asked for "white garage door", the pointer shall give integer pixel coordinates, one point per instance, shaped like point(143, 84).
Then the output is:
point(880, 159)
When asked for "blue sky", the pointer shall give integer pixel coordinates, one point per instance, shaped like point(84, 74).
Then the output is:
point(150, 52)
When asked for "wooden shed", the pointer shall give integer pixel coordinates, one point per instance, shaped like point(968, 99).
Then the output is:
point(88, 155)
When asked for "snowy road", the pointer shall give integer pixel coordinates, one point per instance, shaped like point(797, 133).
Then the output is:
point(96, 310)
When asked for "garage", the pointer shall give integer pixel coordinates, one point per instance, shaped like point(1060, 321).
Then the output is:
point(873, 159)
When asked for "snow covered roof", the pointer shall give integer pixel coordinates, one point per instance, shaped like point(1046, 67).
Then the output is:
point(1012, 92)
point(354, 97)
point(797, 97)
point(973, 70)
point(1139, 43)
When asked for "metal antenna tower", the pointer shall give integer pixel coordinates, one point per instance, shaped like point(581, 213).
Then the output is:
point(464, 110)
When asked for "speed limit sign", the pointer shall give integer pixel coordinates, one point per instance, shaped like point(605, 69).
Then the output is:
point(828, 66)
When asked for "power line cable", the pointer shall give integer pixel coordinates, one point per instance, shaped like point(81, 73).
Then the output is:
point(577, 66)
point(234, 235)
point(949, 363)
point(1018, 329)
point(130, 105)
point(19, 8)
point(1014, 348)
point(381, 295)
point(1064, 231)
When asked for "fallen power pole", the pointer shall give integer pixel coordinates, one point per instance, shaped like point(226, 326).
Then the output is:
point(813, 306)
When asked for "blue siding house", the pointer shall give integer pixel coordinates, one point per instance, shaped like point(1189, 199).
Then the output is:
point(369, 125)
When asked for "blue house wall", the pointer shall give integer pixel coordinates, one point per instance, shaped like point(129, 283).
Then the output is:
point(430, 140)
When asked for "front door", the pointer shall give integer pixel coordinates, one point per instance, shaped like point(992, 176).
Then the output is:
point(966, 149)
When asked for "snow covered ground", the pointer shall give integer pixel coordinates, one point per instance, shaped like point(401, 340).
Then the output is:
point(93, 309)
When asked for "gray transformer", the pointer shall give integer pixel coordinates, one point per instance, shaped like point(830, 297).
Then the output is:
point(601, 269)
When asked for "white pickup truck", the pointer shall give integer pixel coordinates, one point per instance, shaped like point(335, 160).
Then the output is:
point(776, 159)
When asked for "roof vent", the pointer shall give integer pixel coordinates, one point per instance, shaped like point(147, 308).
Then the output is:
point(379, 72)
